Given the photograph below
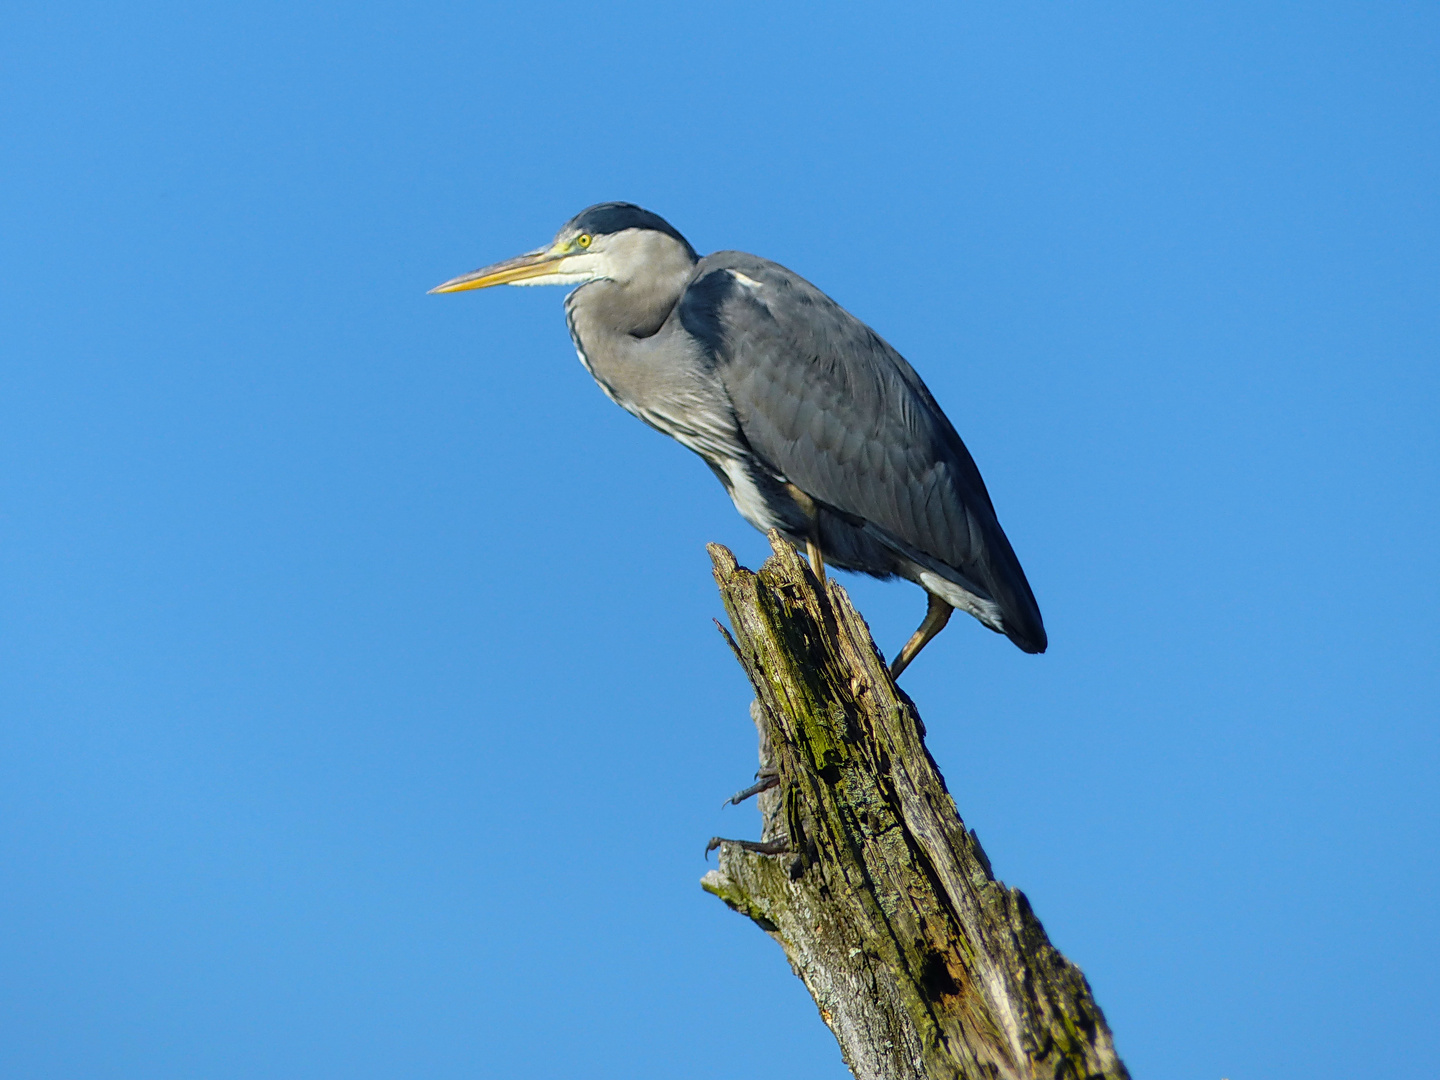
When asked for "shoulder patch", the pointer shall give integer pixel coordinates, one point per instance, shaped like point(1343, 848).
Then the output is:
point(701, 306)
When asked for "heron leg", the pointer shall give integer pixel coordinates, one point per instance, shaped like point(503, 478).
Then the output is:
point(812, 537)
point(817, 561)
point(936, 616)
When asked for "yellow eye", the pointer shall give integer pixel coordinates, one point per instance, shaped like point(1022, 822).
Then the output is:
point(583, 241)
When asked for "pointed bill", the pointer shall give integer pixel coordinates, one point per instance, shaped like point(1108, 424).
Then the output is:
point(533, 264)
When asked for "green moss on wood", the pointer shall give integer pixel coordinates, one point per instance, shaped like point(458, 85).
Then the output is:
point(921, 963)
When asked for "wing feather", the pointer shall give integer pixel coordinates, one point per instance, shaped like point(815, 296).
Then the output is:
point(829, 406)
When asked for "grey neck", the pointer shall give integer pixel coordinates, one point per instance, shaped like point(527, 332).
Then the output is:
point(644, 274)
point(614, 319)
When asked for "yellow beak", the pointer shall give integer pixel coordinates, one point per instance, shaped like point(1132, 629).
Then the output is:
point(532, 264)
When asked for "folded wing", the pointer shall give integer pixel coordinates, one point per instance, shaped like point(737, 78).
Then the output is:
point(833, 409)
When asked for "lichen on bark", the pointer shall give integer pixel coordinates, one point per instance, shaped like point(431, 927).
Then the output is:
point(920, 962)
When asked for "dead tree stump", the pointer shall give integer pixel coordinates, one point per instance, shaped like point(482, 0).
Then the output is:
point(921, 963)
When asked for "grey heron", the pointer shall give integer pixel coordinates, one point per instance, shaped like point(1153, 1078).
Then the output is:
point(814, 424)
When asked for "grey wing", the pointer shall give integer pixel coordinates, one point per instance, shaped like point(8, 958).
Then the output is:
point(833, 409)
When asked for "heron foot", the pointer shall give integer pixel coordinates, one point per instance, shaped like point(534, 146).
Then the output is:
point(769, 778)
point(768, 847)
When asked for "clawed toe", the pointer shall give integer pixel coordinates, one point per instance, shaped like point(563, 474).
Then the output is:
point(768, 779)
point(768, 847)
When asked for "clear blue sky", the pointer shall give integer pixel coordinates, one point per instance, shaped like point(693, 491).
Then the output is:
point(361, 713)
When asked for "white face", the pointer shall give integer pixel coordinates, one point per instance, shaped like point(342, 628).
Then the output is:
point(575, 266)
point(610, 257)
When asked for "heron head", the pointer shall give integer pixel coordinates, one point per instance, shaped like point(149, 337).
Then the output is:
point(608, 241)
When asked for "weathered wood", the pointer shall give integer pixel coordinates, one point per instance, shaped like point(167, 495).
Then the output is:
point(921, 963)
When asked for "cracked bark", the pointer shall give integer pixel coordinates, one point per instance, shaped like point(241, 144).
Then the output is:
point(920, 962)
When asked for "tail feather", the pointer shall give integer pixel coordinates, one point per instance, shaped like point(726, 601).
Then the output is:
point(995, 592)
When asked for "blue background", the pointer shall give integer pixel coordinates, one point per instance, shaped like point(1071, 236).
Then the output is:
point(362, 712)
